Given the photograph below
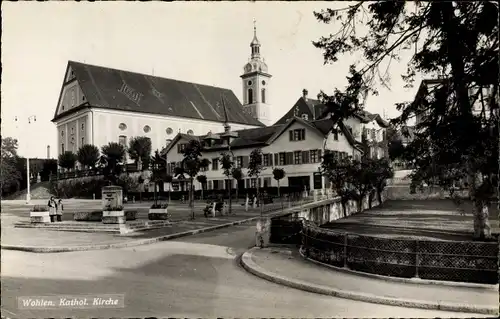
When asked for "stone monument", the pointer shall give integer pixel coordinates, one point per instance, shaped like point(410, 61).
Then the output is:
point(112, 205)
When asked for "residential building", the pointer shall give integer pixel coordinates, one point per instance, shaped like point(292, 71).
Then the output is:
point(372, 125)
point(296, 146)
point(428, 86)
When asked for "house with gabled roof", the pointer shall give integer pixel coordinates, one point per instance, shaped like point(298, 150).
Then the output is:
point(372, 126)
point(296, 146)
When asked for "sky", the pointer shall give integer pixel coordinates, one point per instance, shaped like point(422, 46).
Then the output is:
point(205, 43)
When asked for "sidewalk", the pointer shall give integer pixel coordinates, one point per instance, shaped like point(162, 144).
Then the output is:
point(45, 240)
point(286, 266)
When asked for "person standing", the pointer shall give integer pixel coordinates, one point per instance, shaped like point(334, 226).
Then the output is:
point(52, 209)
point(59, 209)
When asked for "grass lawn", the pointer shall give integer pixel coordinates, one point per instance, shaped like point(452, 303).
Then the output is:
point(418, 219)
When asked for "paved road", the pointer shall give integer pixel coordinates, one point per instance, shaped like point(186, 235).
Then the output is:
point(197, 276)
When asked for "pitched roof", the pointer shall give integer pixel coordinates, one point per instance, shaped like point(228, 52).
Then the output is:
point(107, 88)
point(316, 110)
point(266, 135)
point(313, 108)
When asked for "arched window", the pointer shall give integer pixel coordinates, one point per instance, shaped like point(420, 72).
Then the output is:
point(263, 95)
point(250, 96)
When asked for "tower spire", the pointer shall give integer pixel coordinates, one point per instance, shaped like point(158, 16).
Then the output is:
point(255, 44)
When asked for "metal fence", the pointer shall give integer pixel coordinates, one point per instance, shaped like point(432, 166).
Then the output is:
point(286, 229)
point(427, 259)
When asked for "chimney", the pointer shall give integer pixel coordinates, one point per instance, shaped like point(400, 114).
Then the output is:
point(304, 94)
point(48, 151)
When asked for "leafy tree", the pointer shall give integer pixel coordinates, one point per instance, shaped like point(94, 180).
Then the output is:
point(360, 176)
point(9, 147)
point(337, 170)
point(168, 179)
point(112, 157)
point(237, 174)
point(255, 168)
point(381, 170)
point(191, 165)
point(10, 175)
point(278, 174)
point(127, 183)
point(140, 181)
point(67, 160)
point(139, 150)
point(159, 172)
point(49, 167)
point(202, 179)
point(88, 155)
point(227, 165)
point(454, 41)
point(396, 149)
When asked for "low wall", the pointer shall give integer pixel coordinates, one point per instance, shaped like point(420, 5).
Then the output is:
point(330, 210)
point(286, 229)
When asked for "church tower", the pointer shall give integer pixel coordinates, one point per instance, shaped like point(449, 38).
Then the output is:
point(256, 84)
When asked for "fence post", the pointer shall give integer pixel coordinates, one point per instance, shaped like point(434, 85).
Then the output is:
point(417, 259)
point(345, 249)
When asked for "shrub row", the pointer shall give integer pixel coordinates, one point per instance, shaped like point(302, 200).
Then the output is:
point(96, 216)
point(86, 189)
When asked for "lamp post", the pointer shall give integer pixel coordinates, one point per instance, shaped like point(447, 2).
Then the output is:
point(28, 190)
point(230, 182)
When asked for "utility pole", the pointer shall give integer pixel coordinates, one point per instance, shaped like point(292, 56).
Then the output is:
point(28, 190)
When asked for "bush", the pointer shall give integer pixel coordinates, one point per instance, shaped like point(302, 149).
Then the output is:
point(114, 209)
point(130, 215)
point(159, 206)
point(94, 216)
point(39, 208)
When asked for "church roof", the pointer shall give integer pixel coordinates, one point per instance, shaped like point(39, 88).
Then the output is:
point(107, 88)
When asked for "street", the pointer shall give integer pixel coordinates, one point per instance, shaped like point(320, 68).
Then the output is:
point(197, 276)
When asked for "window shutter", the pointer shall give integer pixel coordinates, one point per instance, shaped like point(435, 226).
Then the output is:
point(289, 158)
point(276, 159)
point(305, 157)
point(246, 159)
point(210, 185)
point(291, 135)
point(319, 156)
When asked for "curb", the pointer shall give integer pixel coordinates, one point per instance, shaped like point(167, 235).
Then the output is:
point(34, 249)
point(252, 267)
point(123, 244)
point(417, 281)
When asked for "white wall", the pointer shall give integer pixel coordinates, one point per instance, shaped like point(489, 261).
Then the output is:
point(314, 141)
point(106, 127)
point(341, 144)
point(356, 125)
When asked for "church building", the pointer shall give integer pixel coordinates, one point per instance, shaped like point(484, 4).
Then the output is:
point(98, 105)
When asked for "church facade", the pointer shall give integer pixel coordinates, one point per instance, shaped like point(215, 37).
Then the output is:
point(98, 105)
